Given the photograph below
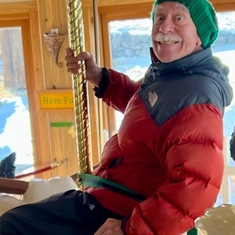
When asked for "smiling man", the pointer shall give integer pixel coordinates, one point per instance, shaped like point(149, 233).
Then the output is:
point(174, 33)
point(164, 168)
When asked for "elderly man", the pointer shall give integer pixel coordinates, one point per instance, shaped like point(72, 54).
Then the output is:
point(164, 167)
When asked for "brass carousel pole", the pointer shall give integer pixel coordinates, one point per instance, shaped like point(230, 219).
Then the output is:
point(76, 40)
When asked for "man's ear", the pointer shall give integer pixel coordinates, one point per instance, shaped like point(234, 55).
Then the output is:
point(199, 42)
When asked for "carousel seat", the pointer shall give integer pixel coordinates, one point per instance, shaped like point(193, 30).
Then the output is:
point(37, 189)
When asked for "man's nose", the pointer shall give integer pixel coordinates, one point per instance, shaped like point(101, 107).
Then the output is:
point(167, 25)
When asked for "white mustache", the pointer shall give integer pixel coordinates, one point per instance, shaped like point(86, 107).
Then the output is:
point(160, 37)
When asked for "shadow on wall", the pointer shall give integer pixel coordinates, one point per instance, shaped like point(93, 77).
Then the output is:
point(7, 167)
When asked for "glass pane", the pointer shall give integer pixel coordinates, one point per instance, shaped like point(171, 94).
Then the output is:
point(130, 43)
point(224, 48)
point(15, 132)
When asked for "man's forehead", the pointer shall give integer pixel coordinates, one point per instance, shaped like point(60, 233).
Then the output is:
point(172, 5)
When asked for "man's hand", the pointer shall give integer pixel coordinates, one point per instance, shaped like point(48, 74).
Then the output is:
point(110, 227)
point(73, 64)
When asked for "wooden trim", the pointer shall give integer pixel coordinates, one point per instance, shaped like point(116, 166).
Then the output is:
point(19, 7)
point(222, 1)
point(146, 6)
point(105, 3)
point(11, 17)
point(13, 186)
point(225, 6)
point(37, 52)
point(127, 10)
point(29, 29)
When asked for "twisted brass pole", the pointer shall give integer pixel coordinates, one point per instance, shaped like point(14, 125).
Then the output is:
point(76, 40)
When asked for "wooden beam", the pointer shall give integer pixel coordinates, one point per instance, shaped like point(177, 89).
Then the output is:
point(13, 186)
point(88, 3)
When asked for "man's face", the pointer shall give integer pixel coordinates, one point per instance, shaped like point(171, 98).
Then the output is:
point(174, 34)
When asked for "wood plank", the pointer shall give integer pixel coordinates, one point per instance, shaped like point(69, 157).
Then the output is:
point(13, 186)
point(132, 2)
point(19, 7)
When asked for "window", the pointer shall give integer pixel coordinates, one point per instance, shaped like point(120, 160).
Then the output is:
point(130, 43)
point(224, 48)
point(15, 127)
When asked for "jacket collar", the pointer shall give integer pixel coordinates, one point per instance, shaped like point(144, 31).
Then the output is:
point(191, 61)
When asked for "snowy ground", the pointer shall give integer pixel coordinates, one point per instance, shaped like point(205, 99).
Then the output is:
point(15, 135)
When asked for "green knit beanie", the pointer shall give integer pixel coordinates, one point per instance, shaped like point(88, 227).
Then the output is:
point(203, 16)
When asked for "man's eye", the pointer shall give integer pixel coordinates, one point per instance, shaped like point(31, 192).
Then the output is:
point(158, 19)
point(179, 18)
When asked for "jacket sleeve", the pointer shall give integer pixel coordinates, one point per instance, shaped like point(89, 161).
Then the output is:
point(116, 89)
point(194, 166)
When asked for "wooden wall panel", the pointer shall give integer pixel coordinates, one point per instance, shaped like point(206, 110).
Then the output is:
point(56, 141)
point(63, 140)
point(54, 16)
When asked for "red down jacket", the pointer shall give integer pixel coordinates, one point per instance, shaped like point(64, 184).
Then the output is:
point(169, 145)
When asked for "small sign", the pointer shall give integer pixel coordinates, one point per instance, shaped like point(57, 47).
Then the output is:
point(56, 100)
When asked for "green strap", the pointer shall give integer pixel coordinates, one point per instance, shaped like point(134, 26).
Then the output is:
point(192, 232)
point(96, 182)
